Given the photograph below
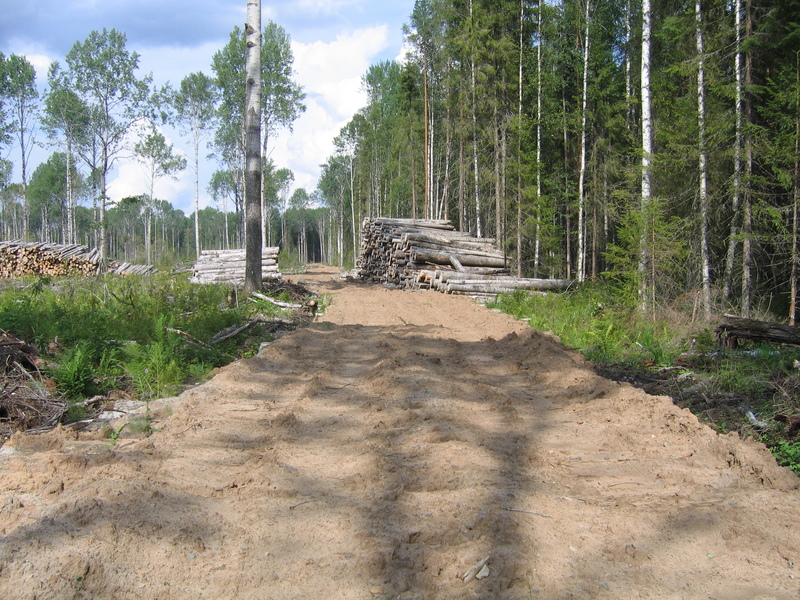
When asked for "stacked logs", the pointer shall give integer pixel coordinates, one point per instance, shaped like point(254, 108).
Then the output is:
point(431, 254)
point(18, 259)
point(228, 266)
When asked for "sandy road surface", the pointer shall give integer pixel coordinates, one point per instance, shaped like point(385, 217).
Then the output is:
point(382, 453)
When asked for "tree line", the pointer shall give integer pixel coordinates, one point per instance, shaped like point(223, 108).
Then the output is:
point(654, 146)
point(92, 108)
point(657, 147)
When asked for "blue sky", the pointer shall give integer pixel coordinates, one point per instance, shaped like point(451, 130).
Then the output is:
point(334, 42)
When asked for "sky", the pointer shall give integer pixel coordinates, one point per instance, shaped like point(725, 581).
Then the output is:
point(334, 42)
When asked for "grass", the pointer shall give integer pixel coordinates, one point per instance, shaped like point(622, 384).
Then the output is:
point(98, 334)
point(619, 340)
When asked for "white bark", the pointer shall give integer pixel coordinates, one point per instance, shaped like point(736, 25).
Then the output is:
point(647, 149)
point(538, 241)
point(253, 148)
point(197, 190)
point(582, 174)
point(737, 158)
point(701, 134)
point(475, 130)
point(519, 140)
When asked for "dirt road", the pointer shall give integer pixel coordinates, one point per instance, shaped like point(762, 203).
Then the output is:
point(384, 452)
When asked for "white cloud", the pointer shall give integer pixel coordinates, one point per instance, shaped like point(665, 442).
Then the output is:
point(325, 7)
point(330, 74)
point(333, 70)
point(131, 180)
point(173, 63)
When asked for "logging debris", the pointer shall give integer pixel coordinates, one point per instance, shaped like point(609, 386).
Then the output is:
point(26, 400)
point(421, 254)
point(228, 266)
point(18, 259)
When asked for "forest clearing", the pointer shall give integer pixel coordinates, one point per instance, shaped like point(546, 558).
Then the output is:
point(405, 445)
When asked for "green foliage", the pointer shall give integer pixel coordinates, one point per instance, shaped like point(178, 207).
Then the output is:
point(74, 373)
point(153, 367)
point(113, 331)
point(591, 319)
point(788, 454)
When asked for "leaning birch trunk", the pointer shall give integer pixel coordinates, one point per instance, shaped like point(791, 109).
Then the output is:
point(252, 177)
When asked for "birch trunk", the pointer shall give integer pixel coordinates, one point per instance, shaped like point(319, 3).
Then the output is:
point(795, 200)
point(353, 208)
point(519, 141)
point(747, 207)
point(701, 134)
point(538, 234)
point(427, 148)
point(475, 128)
point(647, 150)
point(737, 160)
point(581, 268)
point(197, 192)
point(252, 180)
point(70, 197)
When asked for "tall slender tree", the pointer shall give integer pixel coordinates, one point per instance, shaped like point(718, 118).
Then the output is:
point(195, 105)
point(66, 117)
point(581, 269)
point(647, 153)
point(705, 265)
point(103, 73)
point(158, 160)
point(252, 128)
point(20, 90)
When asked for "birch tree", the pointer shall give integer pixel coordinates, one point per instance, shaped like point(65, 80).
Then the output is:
point(705, 266)
point(737, 155)
point(252, 128)
point(581, 268)
point(196, 104)
point(747, 200)
point(647, 151)
point(103, 73)
point(66, 117)
point(281, 97)
point(158, 161)
point(22, 96)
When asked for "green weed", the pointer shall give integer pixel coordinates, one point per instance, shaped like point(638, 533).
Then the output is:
point(788, 454)
point(74, 374)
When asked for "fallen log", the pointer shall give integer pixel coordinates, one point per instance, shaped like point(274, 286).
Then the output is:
point(466, 260)
point(503, 284)
point(734, 328)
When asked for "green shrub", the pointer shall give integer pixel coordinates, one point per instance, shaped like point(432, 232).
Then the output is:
point(74, 373)
point(788, 454)
point(153, 367)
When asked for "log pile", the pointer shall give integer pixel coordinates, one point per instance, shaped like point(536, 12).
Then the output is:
point(431, 254)
point(18, 259)
point(227, 266)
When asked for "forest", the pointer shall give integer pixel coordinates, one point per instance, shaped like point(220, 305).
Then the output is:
point(655, 146)
point(652, 145)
